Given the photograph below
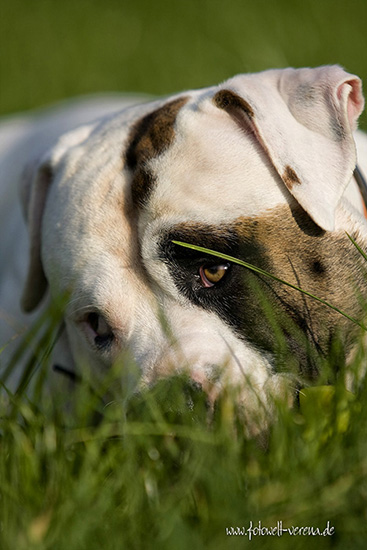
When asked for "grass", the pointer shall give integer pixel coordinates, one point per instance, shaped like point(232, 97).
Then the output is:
point(163, 470)
point(164, 478)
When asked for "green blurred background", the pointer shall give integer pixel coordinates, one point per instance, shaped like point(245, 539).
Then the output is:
point(53, 49)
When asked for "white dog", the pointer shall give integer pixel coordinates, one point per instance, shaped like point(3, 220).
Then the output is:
point(260, 167)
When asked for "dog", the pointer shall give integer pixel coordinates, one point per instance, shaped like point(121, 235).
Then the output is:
point(258, 168)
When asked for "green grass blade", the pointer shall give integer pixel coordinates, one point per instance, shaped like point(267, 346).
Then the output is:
point(362, 252)
point(269, 275)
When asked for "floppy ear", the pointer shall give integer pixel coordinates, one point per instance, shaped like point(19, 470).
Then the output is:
point(304, 119)
point(36, 181)
point(34, 192)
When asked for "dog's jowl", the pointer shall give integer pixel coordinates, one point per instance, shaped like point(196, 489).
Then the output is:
point(259, 168)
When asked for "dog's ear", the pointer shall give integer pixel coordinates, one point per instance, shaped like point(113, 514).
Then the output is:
point(37, 177)
point(303, 119)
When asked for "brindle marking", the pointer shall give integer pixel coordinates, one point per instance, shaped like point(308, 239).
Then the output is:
point(288, 244)
point(149, 138)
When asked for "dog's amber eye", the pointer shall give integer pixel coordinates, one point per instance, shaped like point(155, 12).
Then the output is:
point(211, 275)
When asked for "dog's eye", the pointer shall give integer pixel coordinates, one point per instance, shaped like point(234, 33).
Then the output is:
point(100, 331)
point(210, 275)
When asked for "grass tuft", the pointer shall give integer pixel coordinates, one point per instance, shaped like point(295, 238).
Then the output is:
point(164, 470)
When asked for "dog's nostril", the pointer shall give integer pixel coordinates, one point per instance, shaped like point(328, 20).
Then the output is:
point(196, 397)
point(195, 386)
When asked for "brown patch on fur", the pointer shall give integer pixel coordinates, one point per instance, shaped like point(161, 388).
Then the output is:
point(288, 244)
point(226, 99)
point(290, 177)
point(149, 138)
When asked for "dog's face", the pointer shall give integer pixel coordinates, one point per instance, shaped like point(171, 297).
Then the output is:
point(255, 169)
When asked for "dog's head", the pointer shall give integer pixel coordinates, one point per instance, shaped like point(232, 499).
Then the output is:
point(255, 168)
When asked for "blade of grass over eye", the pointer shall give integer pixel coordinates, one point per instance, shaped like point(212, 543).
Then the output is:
point(362, 252)
point(267, 274)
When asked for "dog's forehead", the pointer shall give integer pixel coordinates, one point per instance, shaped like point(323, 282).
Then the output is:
point(190, 159)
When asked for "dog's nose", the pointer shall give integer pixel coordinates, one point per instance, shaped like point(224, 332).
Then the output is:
point(180, 399)
point(195, 395)
point(195, 386)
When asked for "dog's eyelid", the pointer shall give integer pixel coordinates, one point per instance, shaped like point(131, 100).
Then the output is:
point(98, 323)
point(97, 329)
